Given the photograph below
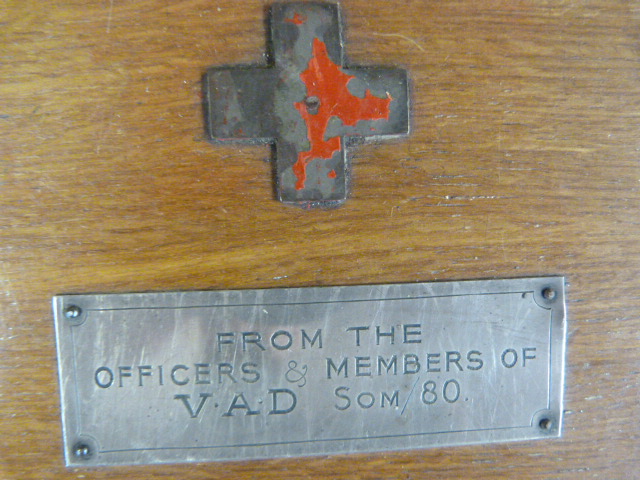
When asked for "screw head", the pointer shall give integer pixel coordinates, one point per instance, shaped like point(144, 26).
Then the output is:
point(549, 294)
point(82, 451)
point(545, 424)
point(313, 105)
point(72, 312)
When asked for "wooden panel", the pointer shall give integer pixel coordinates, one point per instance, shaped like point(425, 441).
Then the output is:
point(523, 160)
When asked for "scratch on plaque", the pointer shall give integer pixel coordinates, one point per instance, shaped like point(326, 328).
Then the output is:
point(404, 37)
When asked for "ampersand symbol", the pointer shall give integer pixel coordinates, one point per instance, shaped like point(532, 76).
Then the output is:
point(293, 375)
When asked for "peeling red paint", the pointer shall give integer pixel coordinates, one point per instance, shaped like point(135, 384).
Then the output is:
point(332, 174)
point(326, 81)
point(297, 19)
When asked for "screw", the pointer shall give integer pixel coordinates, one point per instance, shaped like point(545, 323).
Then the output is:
point(545, 424)
point(72, 312)
point(549, 293)
point(312, 104)
point(82, 451)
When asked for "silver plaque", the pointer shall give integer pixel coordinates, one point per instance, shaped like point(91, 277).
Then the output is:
point(199, 376)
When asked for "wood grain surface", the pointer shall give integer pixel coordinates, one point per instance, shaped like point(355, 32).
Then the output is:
point(523, 161)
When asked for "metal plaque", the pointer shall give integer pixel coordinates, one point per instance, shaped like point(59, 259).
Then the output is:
point(200, 376)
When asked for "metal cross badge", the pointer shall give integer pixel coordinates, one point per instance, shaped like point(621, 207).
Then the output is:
point(307, 103)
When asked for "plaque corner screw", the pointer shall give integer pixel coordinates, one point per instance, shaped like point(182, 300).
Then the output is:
point(82, 451)
point(546, 424)
point(72, 312)
point(549, 294)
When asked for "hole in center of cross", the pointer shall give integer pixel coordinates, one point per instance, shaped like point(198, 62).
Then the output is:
point(313, 105)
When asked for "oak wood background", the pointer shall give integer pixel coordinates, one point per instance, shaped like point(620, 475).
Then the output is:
point(523, 161)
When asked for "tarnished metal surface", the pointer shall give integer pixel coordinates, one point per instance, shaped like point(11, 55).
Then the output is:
point(307, 103)
point(183, 377)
